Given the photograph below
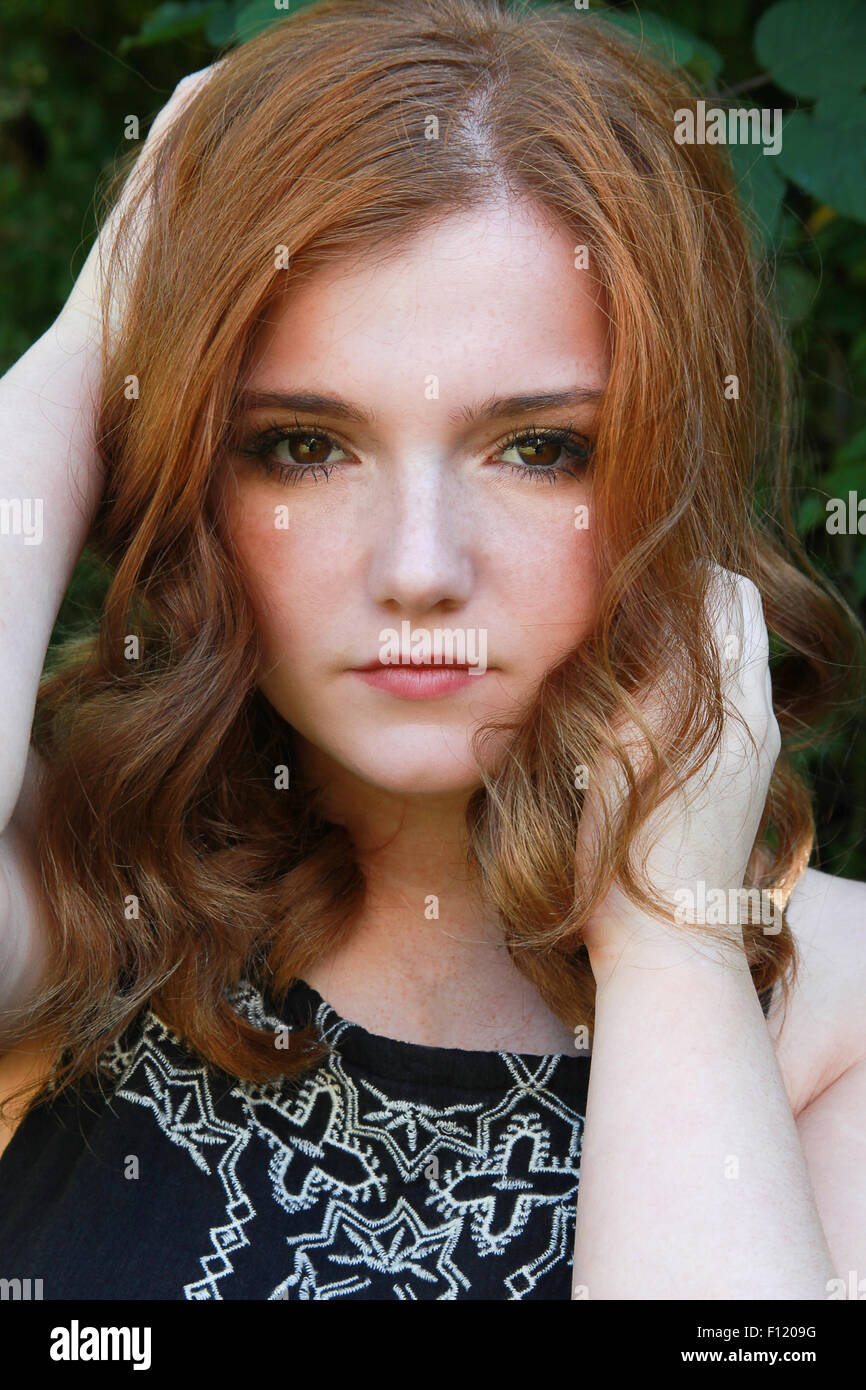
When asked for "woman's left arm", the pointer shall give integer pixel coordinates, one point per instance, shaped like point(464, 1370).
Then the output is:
point(693, 1180)
point(832, 1133)
point(821, 1050)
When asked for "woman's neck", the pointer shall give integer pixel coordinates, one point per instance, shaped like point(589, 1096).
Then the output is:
point(424, 960)
point(443, 987)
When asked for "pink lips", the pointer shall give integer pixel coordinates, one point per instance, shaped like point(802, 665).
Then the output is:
point(418, 682)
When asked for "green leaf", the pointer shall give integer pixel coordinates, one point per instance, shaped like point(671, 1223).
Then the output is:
point(221, 26)
point(845, 478)
point(848, 474)
point(171, 21)
point(854, 450)
point(676, 46)
point(859, 575)
point(259, 15)
point(810, 515)
point(761, 188)
point(812, 49)
point(797, 291)
point(824, 153)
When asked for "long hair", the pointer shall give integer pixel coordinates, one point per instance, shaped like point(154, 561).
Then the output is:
point(174, 860)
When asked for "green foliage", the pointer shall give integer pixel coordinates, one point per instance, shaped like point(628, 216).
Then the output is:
point(219, 24)
point(675, 44)
point(68, 81)
point(762, 189)
point(172, 21)
point(823, 152)
point(813, 50)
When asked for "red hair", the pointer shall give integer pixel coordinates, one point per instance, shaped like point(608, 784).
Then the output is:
point(171, 864)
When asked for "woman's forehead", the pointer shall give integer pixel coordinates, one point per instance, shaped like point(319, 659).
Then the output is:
point(491, 296)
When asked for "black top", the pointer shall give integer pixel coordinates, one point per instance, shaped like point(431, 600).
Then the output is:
point(392, 1171)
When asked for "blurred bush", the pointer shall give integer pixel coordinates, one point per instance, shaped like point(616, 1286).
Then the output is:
point(69, 80)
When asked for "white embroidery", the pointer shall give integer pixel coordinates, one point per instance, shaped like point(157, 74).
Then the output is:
point(404, 1194)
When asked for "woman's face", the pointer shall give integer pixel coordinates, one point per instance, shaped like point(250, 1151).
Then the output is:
point(398, 508)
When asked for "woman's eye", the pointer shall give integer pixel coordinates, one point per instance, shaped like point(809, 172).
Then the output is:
point(292, 454)
point(305, 448)
point(545, 453)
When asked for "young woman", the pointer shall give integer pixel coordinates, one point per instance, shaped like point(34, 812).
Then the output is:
point(428, 736)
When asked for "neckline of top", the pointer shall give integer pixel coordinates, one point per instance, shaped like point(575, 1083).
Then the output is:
point(413, 1062)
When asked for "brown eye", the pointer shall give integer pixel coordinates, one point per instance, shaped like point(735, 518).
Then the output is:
point(542, 452)
point(308, 448)
point(546, 453)
point(296, 453)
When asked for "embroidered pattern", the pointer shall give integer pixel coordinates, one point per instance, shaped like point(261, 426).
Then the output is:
point(349, 1184)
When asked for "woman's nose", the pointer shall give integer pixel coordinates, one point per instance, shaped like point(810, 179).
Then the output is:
point(422, 540)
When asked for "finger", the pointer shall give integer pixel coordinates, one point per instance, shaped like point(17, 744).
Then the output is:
point(740, 631)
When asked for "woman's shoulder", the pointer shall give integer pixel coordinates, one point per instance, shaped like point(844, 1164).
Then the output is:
point(147, 1047)
point(822, 1032)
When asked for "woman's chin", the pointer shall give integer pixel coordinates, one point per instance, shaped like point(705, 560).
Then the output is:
point(420, 776)
point(431, 766)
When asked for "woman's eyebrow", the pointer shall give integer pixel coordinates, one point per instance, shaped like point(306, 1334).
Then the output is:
point(495, 407)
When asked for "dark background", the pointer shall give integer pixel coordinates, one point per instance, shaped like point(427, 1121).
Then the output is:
point(70, 75)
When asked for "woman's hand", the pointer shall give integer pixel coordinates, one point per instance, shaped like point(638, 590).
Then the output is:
point(48, 406)
point(705, 831)
point(693, 1183)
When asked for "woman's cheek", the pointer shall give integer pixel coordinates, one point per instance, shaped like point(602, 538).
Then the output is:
point(554, 586)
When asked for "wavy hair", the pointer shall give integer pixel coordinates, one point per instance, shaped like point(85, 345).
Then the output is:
point(172, 864)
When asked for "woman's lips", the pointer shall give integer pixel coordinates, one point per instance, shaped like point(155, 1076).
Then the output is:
point(419, 682)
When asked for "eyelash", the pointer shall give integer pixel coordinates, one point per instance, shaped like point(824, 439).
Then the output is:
point(263, 444)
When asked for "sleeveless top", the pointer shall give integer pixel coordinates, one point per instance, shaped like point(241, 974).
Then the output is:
point(393, 1170)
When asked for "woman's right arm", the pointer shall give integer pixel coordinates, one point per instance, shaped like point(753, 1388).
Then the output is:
point(51, 481)
point(50, 485)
